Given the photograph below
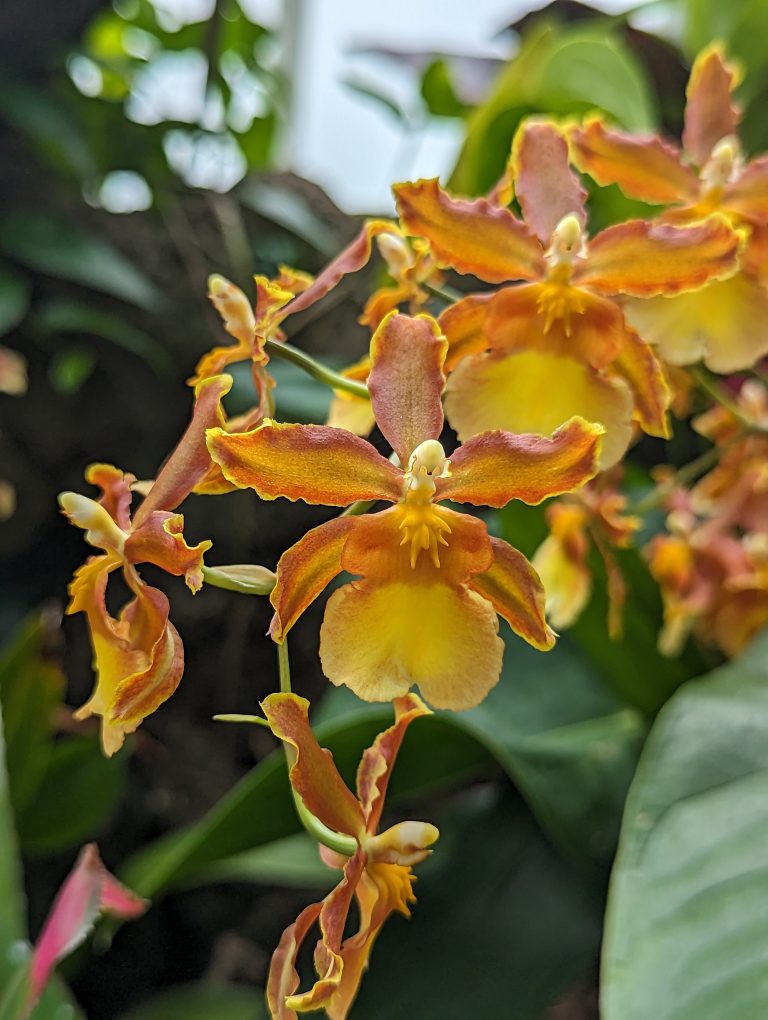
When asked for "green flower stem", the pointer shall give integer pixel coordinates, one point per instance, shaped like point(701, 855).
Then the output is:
point(447, 294)
point(337, 841)
point(335, 380)
point(706, 382)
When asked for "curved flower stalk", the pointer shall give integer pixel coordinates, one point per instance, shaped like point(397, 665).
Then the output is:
point(593, 516)
point(430, 580)
point(723, 323)
point(378, 874)
point(530, 356)
point(138, 656)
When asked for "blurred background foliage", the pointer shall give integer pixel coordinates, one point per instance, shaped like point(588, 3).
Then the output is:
point(143, 148)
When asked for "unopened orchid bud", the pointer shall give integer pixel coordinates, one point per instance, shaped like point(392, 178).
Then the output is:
point(91, 516)
point(395, 252)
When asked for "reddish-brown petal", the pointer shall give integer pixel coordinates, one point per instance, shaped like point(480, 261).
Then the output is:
point(475, 237)
point(116, 493)
point(378, 760)
point(314, 463)
point(406, 381)
point(304, 570)
point(190, 460)
point(639, 367)
point(350, 260)
point(495, 467)
point(462, 324)
point(160, 540)
point(547, 188)
point(710, 113)
point(643, 166)
point(283, 977)
point(515, 591)
point(643, 258)
point(313, 775)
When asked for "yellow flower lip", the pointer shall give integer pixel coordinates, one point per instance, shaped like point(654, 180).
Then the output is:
point(91, 516)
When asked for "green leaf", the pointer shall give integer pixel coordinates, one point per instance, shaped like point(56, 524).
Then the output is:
point(78, 793)
point(69, 369)
point(687, 923)
point(438, 92)
point(502, 927)
point(204, 1000)
point(557, 72)
point(31, 688)
point(14, 299)
point(291, 211)
point(293, 861)
point(62, 316)
point(54, 246)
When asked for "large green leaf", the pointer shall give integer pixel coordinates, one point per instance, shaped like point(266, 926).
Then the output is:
point(687, 923)
point(54, 246)
point(557, 71)
point(14, 299)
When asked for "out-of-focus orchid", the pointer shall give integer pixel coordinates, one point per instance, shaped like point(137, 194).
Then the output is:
point(723, 323)
point(558, 345)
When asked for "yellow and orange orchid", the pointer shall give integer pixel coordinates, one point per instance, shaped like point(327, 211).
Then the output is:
point(430, 580)
point(532, 355)
point(723, 323)
point(377, 875)
point(138, 656)
point(595, 515)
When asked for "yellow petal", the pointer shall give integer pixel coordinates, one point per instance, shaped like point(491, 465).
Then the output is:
point(536, 392)
point(566, 581)
point(723, 324)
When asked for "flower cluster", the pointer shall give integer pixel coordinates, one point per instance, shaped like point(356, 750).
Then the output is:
point(566, 347)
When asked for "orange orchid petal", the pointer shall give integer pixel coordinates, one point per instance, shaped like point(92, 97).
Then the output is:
point(643, 166)
point(383, 301)
point(638, 366)
point(514, 589)
point(591, 328)
point(116, 492)
point(314, 463)
point(453, 653)
point(138, 659)
point(643, 258)
point(378, 760)
point(304, 570)
point(462, 325)
point(547, 188)
point(406, 381)
point(349, 412)
point(710, 114)
point(747, 196)
point(283, 977)
point(190, 460)
point(723, 324)
point(313, 776)
point(475, 237)
point(145, 621)
point(494, 467)
point(160, 540)
point(533, 392)
point(350, 260)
